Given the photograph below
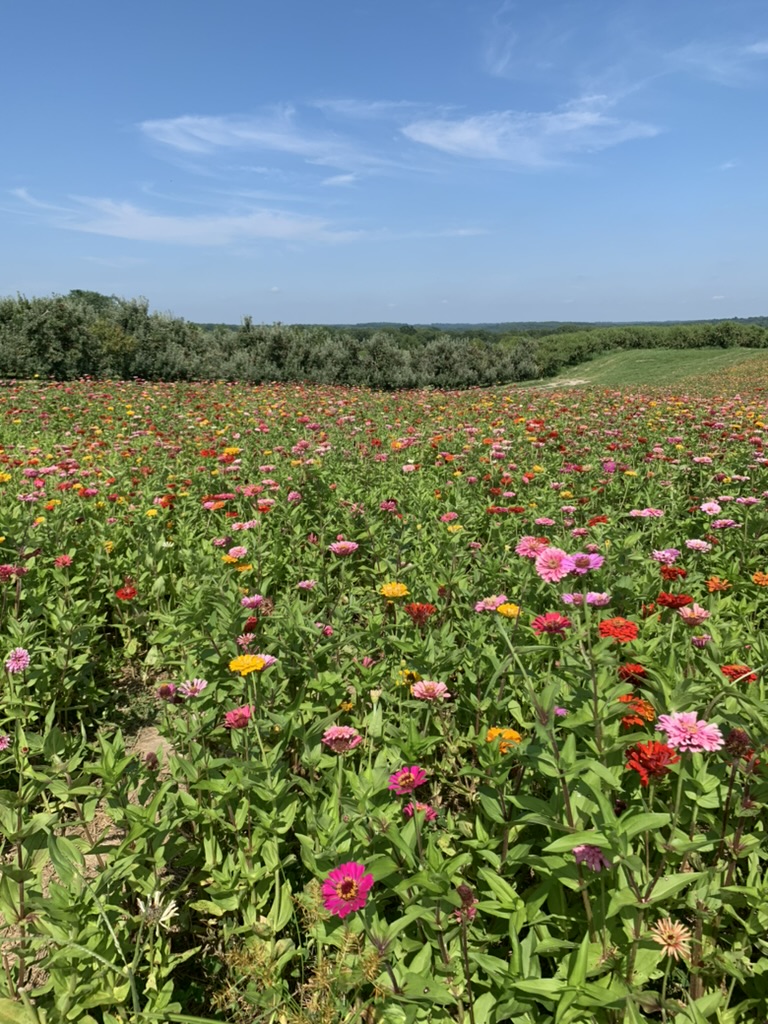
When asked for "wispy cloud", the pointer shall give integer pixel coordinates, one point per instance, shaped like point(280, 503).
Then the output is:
point(725, 63)
point(340, 179)
point(530, 140)
point(278, 131)
point(126, 220)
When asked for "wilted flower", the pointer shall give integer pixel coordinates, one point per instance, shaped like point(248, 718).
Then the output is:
point(238, 718)
point(428, 811)
point(154, 911)
point(592, 856)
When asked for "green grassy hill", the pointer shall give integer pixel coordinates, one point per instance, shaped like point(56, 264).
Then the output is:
point(663, 367)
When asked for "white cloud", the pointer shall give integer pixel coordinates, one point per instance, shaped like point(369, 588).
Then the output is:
point(728, 165)
point(715, 298)
point(530, 139)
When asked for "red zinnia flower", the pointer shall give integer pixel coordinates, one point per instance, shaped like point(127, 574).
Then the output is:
point(739, 672)
point(673, 600)
point(552, 622)
point(127, 592)
point(597, 520)
point(419, 613)
point(650, 760)
point(618, 629)
point(673, 572)
point(631, 673)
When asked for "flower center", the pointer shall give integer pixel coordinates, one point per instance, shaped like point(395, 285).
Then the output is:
point(347, 890)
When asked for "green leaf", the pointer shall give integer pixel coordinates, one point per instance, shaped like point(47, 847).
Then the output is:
point(647, 822)
point(567, 843)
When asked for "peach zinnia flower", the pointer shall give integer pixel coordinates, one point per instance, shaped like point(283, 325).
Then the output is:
point(674, 937)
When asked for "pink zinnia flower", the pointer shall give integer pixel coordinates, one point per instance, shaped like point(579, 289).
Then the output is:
point(17, 660)
point(5, 741)
point(598, 599)
point(667, 556)
point(251, 602)
point(238, 718)
point(553, 623)
point(294, 497)
point(711, 508)
point(686, 732)
point(553, 564)
point(701, 641)
point(238, 552)
point(62, 561)
point(490, 604)
point(698, 545)
point(343, 547)
point(429, 812)
point(584, 562)
point(346, 889)
point(693, 614)
point(193, 687)
point(342, 738)
point(427, 689)
point(405, 780)
point(306, 584)
point(530, 547)
point(592, 856)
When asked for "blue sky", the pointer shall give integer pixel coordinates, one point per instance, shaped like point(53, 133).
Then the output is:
point(418, 161)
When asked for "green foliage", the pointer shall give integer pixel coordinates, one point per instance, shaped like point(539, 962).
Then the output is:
point(85, 334)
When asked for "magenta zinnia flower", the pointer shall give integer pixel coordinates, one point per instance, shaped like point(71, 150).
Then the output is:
point(342, 738)
point(405, 780)
point(552, 564)
point(427, 689)
point(17, 660)
point(686, 732)
point(552, 622)
point(346, 888)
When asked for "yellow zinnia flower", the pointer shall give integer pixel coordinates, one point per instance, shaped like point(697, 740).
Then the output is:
point(507, 736)
point(509, 610)
point(392, 590)
point(245, 664)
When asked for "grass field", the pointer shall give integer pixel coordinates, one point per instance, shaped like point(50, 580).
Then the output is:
point(664, 367)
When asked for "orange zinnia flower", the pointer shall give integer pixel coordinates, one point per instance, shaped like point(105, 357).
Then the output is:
point(760, 578)
point(715, 584)
point(640, 711)
point(508, 737)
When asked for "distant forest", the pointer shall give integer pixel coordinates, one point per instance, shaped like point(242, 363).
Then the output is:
point(85, 333)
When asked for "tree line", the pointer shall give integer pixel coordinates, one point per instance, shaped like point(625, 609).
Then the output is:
point(85, 333)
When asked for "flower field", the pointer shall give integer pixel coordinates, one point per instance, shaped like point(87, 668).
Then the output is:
point(456, 705)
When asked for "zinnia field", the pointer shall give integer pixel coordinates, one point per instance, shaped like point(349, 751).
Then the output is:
point(326, 705)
